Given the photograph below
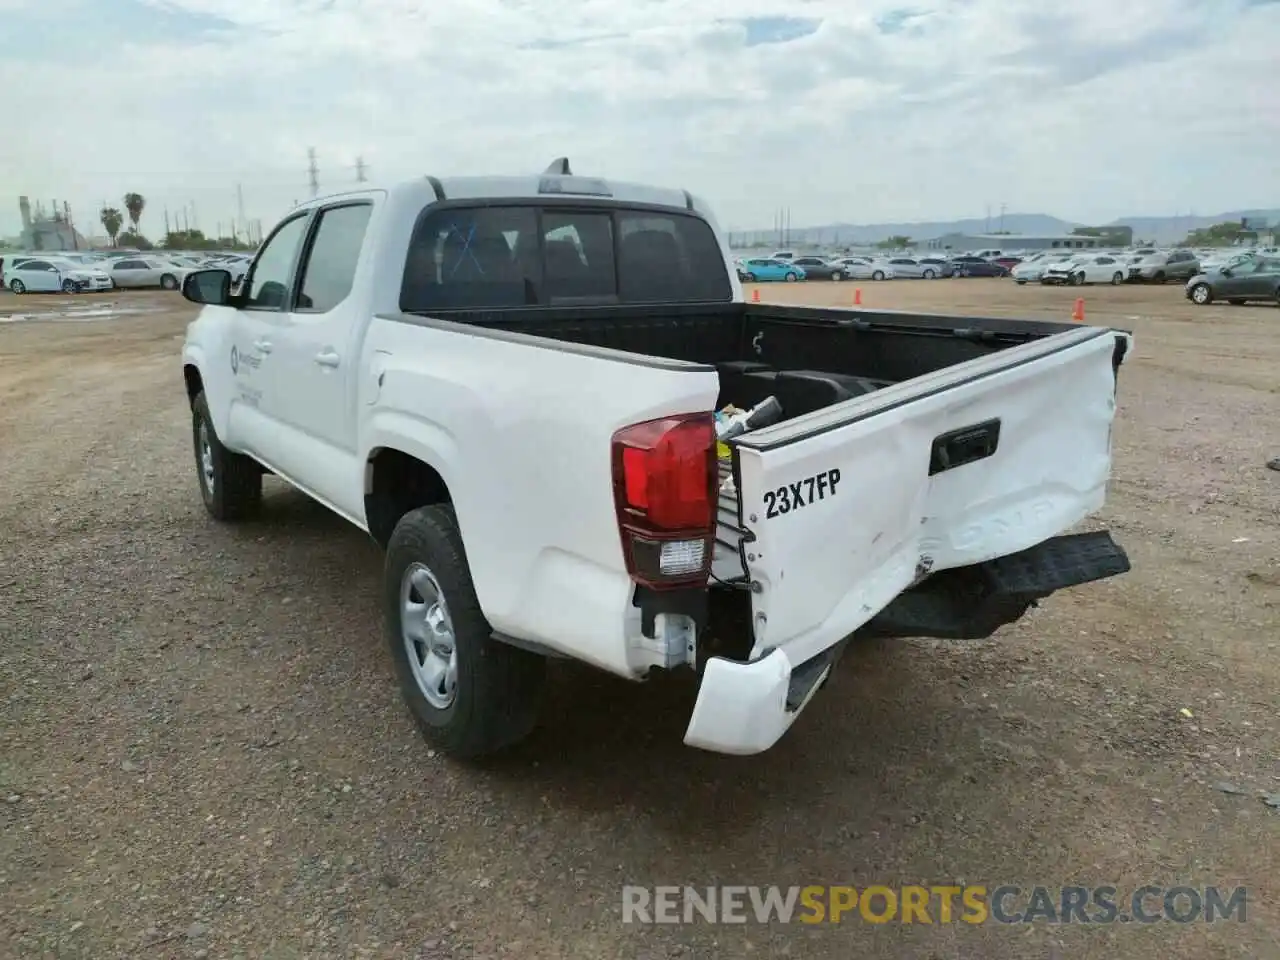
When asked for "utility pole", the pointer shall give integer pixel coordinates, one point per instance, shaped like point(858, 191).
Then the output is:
point(987, 228)
point(360, 170)
point(166, 221)
point(313, 174)
point(240, 224)
point(195, 224)
point(186, 227)
point(1002, 206)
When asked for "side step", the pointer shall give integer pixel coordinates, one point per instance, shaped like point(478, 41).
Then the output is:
point(970, 603)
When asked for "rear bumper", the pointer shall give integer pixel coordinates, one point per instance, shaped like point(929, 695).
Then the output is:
point(745, 708)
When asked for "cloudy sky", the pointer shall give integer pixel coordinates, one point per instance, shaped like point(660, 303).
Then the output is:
point(843, 110)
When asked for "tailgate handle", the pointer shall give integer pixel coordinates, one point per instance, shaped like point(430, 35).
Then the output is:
point(966, 445)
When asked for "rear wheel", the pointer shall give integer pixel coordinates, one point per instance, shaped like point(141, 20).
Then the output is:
point(1159, 277)
point(838, 276)
point(1201, 294)
point(69, 286)
point(1077, 279)
point(17, 286)
point(878, 275)
point(751, 278)
point(469, 693)
point(168, 282)
point(929, 274)
point(791, 277)
point(230, 483)
point(1117, 279)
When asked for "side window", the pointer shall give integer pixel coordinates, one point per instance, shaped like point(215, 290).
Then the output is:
point(578, 255)
point(268, 285)
point(34, 265)
point(463, 258)
point(330, 267)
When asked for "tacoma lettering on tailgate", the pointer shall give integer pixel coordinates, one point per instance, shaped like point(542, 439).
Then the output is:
point(793, 496)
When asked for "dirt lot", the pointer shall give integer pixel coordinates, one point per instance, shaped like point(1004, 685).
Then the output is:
point(202, 752)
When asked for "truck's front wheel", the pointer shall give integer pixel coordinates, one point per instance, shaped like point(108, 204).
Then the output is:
point(230, 483)
point(470, 694)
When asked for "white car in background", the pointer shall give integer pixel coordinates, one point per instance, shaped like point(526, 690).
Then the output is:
point(1033, 268)
point(146, 271)
point(1222, 259)
point(864, 268)
point(54, 275)
point(1089, 268)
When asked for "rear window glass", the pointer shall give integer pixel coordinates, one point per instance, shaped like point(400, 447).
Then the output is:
point(493, 257)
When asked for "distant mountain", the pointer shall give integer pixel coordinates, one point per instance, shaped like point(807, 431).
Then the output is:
point(1159, 229)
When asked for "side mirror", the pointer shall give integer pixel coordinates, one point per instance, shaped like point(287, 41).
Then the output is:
point(208, 286)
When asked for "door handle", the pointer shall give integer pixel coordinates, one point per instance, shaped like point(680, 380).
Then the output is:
point(262, 346)
point(328, 358)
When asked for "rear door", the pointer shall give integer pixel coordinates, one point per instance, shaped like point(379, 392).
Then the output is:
point(846, 507)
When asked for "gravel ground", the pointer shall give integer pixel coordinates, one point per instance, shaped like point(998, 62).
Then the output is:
point(203, 754)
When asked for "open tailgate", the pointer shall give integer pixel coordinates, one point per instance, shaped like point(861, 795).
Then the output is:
point(843, 509)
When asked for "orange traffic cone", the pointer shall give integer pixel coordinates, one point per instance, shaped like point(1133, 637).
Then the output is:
point(1077, 314)
point(755, 296)
point(857, 296)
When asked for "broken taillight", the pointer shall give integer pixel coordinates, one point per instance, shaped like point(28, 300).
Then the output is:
point(664, 488)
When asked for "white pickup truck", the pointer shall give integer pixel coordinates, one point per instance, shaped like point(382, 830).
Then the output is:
point(510, 384)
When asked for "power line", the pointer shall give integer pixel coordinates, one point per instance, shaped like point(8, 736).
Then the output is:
point(313, 174)
point(360, 170)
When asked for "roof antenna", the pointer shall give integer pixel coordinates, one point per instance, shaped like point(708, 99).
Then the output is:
point(559, 167)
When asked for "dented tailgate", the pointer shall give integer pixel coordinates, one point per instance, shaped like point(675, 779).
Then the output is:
point(846, 507)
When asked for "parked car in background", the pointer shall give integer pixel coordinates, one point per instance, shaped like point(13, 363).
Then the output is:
point(944, 267)
point(1033, 268)
point(766, 268)
point(912, 269)
point(149, 271)
point(52, 275)
point(1216, 261)
point(1007, 261)
point(864, 268)
point(1257, 278)
point(1088, 268)
point(1167, 265)
point(816, 268)
point(782, 255)
point(967, 265)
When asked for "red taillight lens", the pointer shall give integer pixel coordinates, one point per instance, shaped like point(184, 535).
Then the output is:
point(664, 479)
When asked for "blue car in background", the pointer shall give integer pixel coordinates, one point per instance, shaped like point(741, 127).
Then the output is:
point(765, 268)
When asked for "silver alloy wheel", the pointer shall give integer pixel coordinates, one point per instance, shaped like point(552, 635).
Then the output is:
point(1200, 293)
point(206, 458)
point(427, 631)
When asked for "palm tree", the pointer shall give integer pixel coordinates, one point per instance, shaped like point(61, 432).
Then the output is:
point(111, 221)
point(134, 202)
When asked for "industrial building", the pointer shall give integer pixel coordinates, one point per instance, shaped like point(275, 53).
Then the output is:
point(48, 230)
point(957, 242)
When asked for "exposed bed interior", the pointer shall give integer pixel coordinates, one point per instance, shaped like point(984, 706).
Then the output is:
point(808, 359)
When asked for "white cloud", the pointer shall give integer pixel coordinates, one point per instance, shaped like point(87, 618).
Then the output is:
point(889, 109)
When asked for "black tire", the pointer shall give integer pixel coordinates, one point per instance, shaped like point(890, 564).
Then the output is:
point(1019, 282)
point(18, 287)
point(234, 491)
point(751, 278)
point(929, 275)
point(70, 286)
point(1117, 279)
point(878, 275)
point(1077, 279)
point(499, 687)
point(837, 276)
point(168, 282)
point(791, 277)
point(1202, 294)
point(1159, 277)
